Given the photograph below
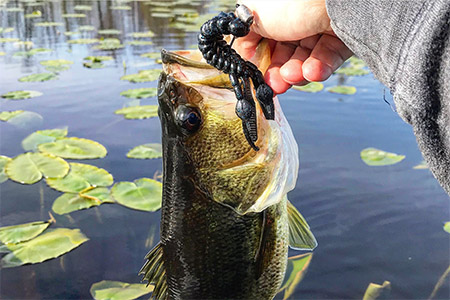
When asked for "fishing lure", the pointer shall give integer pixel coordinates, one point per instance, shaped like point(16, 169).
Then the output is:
point(220, 55)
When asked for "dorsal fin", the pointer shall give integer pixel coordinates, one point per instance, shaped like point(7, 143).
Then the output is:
point(155, 272)
point(300, 236)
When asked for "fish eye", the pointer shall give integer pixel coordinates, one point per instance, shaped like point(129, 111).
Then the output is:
point(188, 118)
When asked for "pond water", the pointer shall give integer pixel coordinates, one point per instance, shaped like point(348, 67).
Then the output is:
point(372, 223)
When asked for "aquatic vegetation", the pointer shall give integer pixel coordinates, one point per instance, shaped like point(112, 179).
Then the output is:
point(82, 8)
point(21, 233)
point(32, 52)
point(6, 115)
point(138, 112)
point(120, 7)
point(9, 40)
point(161, 15)
point(48, 24)
point(341, 89)
point(146, 151)
point(109, 31)
point(143, 76)
point(109, 44)
point(295, 272)
point(25, 44)
point(84, 41)
point(56, 65)
point(86, 28)
point(34, 14)
point(142, 194)
point(96, 62)
point(152, 55)
point(376, 291)
point(70, 202)
point(423, 165)
point(70, 33)
point(447, 227)
point(312, 87)
point(140, 93)
point(356, 62)
point(140, 43)
point(352, 71)
point(376, 157)
point(81, 177)
point(73, 15)
point(50, 244)
point(31, 142)
point(2, 53)
point(116, 290)
point(26, 120)
point(74, 148)
point(146, 34)
point(14, 9)
point(29, 168)
point(20, 95)
point(38, 77)
point(3, 177)
point(6, 30)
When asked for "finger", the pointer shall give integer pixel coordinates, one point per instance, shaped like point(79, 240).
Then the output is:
point(291, 71)
point(281, 54)
point(328, 55)
point(246, 46)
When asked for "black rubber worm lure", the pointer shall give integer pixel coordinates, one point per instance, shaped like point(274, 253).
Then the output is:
point(221, 56)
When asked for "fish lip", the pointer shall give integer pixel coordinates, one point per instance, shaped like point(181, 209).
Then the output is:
point(169, 57)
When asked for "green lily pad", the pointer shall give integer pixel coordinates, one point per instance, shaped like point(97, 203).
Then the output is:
point(120, 7)
point(95, 62)
point(84, 41)
point(6, 30)
point(73, 15)
point(86, 28)
point(7, 115)
point(116, 290)
point(342, 89)
point(312, 87)
point(29, 167)
point(146, 151)
point(9, 40)
point(3, 161)
point(376, 291)
point(140, 93)
point(356, 62)
point(109, 44)
point(19, 95)
point(46, 246)
point(70, 202)
point(82, 8)
point(161, 14)
point(55, 62)
point(138, 112)
point(70, 33)
point(74, 148)
point(26, 120)
point(140, 43)
point(2, 53)
point(34, 14)
point(109, 31)
point(296, 270)
point(352, 71)
point(48, 24)
point(93, 65)
point(81, 177)
point(98, 58)
point(142, 194)
point(38, 77)
point(376, 157)
point(447, 227)
point(143, 76)
point(23, 232)
point(146, 34)
point(31, 142)
point(152, 55)
point(32, 52)
point(423, 165)
point(14, 9)
point(25, 44)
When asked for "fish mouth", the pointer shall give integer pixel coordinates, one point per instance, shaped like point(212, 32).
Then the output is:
point(184, 58)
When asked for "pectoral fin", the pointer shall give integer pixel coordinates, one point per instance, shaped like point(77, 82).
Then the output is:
point(155, 272)
point(300, 236)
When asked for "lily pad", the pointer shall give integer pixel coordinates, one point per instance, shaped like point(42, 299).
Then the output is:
point(109, 44)
point(74, 148)
point(56, 65)
point(2, 53)
point(296, 270)
point(48, 24)
point(6, 30)
point(152, 55)
point(161, 14)
point(73, 15)
point(9, 40)
point(143, 76)
point(29, 167)
point(34, 14)
point(147, 34)
point(82, 8)
point(376, 157)
point(140, 43)
point(70, 33)
point(142, 194)
point(31, 142)
point(93, 65)
point(84, 41)
point(98, 58)
point(423, 165)
point(23, 232)
point(26, 120)
point(342, 89)
point(25, 44)
point(356, 62)
point(86, 28)
point(120, 7)
point(138, 112)
point(14, 9)
point(70, 202)
point(376, 291)
point(352, 71)
point(7, 115)
point(3, 161)
point(146, 151)
point(81, 177)
point(46, 246)
point(109, 31)
point(140, 93)
point(447, 227)
point(116, 290)
point(19, 95)
point(38, 77)
point(312, 87)
point(32, 52)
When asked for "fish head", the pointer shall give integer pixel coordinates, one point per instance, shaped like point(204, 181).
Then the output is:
point(197, 110)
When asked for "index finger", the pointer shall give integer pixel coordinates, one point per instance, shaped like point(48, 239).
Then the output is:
point(246, 46)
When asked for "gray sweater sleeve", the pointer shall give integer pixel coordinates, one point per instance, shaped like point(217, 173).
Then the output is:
point(407, 46)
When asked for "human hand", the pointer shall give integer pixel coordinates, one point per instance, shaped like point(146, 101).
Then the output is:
point(304, 47)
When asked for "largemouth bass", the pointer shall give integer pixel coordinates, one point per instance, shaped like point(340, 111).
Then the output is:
point(225, 220)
